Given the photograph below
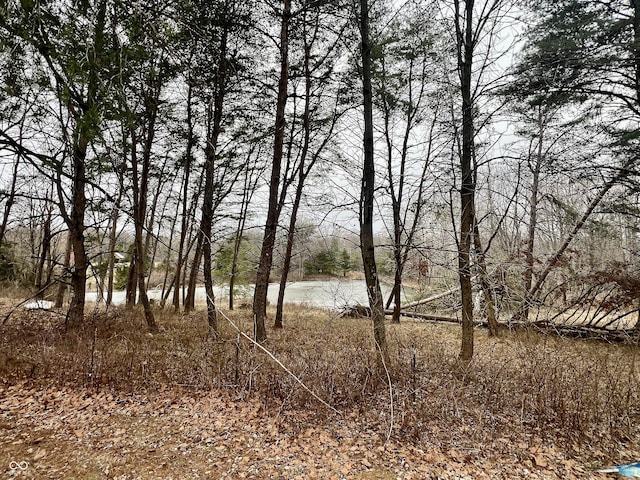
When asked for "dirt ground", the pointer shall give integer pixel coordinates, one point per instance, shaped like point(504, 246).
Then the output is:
point(54, 433)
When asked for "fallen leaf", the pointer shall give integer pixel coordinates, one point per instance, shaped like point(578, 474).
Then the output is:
point(40, 454)
point(540, 461)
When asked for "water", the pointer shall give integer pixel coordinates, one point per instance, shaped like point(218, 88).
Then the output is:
point(332, 294)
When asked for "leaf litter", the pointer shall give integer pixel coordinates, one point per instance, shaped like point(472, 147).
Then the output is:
point(174, 434)
point(150, 415)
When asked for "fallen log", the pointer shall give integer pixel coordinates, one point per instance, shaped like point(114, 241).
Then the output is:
point(425, 316)
point(430, 299)
point(626, 336)
point(585, 332)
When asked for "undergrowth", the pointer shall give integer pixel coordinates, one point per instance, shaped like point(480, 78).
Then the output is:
point(522, 382)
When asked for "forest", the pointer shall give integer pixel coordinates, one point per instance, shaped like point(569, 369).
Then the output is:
point(233, 143)
point(473, 165)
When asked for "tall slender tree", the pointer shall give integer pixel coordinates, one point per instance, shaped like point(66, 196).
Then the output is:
point(271, 225)
point(376, 302)
point(71, 47)
point(318, 123)
point(474, 23)
point(408, 96)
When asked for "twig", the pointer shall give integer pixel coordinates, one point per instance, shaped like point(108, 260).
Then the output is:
point(93, 354)
point(384, 364)
point(279, 363)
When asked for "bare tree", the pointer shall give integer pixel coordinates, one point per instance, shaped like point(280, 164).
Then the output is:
point(252, 175)
point(317, 125)
point(408, 95)
point(368, 190)
point(268, 242)
point(474, 24)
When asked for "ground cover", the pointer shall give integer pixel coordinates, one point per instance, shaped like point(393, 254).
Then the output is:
point(110, 400)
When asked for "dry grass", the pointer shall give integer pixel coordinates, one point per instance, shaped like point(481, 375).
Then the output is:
point(522, 384)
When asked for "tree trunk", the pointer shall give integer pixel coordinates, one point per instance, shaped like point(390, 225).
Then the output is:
point(367, 194)
point(84, 131)
point(397, 291)
point(10, 198)
point(492, 321)
point(287, 258)
point(131, 289)
point(113, 235)
point(45, 252)
point(139, 211)
point(151, 249)
point(76, 227)
point(166, 287)
point(237, 243)
point(401, 252)
point(185, 194)
point(268, 242)
point(636, 47)
point(636, 328)
point(396, 204)
point(213, 129)
point(303, 172)
point(62, 282)
point(190, 298)
point(205, 231)
point(465, 51)
point(249, 188)
point(527, 275)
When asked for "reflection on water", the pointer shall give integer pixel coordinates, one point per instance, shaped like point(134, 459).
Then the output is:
point(332, 294)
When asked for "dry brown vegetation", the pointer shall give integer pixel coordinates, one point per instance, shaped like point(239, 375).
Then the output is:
point(549, 406)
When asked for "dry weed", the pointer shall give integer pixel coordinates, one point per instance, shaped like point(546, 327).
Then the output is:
point(521, 382)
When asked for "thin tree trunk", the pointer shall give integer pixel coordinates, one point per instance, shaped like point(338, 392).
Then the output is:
point(62, 282)
point(214, 129)
point(527, 275)
point(189, 303)
point(185, 194)
point(139, 207)
point(113, 235)
point(396, 292)
point(302, 175)
point(45, 252)
point(237, 244)
point(205, 232)
point(396, 204)
point(401, 253)
point(247, 194)
point(367, 194)
point(167, 261)
point(131, 289)
point(150, 249)
point(266, 254)
point(431, 299)
point(10, 200)
point(636, 328)
point(287, 258)
point(465, 50)
point(492, 321)
point(193, 241)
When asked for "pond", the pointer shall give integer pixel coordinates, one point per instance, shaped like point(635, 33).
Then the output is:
point(333, 294)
